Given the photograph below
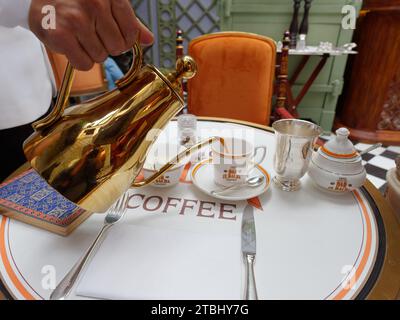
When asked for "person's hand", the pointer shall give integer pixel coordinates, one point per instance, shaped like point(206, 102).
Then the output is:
point(87, 31)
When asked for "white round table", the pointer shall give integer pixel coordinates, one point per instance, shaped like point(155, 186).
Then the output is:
point(310, 244)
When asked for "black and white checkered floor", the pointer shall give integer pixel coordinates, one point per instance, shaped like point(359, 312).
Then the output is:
point(377, 162)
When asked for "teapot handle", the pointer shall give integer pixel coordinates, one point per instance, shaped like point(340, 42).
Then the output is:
point(135, 67)
point(177, 159)
point(61, 102)
point(66, 85)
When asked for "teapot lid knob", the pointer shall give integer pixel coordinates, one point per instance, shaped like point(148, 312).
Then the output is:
point(341, 147)
point(186, 67)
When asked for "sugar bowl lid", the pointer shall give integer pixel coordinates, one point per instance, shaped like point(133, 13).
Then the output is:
point(340, 147)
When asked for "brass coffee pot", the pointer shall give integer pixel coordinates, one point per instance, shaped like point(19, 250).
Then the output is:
point(93, 152)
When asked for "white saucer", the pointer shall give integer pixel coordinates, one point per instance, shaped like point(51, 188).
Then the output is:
point(203, 179)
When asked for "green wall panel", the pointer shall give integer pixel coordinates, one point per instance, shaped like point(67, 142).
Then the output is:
point(272, 17)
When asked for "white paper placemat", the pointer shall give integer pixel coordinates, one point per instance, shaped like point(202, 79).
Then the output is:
point(139, 262)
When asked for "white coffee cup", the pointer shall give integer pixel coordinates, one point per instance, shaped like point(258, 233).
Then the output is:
point(234, 160)
point(157, 158)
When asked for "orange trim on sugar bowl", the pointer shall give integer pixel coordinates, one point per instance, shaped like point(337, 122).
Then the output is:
point(337, 155)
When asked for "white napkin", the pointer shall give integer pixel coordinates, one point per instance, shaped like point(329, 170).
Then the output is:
point(142, 262)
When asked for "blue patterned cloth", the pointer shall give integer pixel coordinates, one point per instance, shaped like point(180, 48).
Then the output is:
point(29, 194)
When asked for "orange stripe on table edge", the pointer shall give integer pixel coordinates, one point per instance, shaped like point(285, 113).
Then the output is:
point(14, 279)
point(367, 251)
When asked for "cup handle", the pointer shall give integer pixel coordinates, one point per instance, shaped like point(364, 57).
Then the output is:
point(177, 159)
point(264, 154)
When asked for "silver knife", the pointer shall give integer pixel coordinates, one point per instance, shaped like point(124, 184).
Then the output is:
point(249, 252)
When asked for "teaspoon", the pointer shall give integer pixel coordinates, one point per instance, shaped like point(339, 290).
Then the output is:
point(252, 182)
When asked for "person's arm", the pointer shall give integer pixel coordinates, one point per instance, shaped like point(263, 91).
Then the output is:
point(87, 31)
point(14, 13)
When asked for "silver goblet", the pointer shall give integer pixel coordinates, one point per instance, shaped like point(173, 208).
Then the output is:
point(294, 144)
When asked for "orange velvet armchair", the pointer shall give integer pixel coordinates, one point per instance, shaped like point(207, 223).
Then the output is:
point(235, 78)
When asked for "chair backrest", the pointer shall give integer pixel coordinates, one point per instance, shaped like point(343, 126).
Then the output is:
point(235, 78)
point(85, 83)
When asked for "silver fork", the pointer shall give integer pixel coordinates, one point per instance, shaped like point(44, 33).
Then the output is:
point(114, 215)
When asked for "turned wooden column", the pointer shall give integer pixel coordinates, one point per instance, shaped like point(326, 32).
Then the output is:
point(370, 105)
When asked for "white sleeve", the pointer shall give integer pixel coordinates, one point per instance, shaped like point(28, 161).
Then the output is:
point(14, 13)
